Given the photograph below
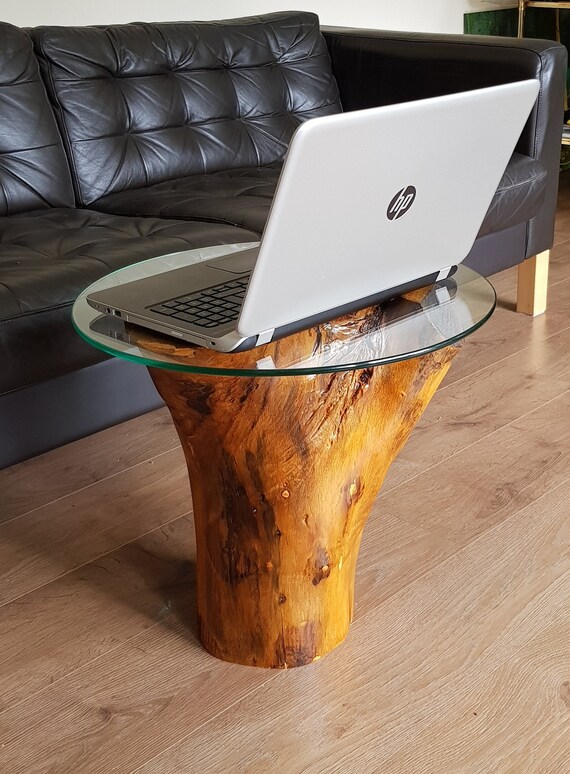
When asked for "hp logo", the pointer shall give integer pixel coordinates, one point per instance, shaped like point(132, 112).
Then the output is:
point(401, 203)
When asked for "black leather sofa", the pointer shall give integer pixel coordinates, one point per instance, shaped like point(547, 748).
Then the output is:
point(125, 142)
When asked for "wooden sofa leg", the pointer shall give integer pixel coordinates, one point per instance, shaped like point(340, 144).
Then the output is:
point(532, 284)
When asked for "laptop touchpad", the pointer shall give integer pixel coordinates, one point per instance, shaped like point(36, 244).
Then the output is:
point(236, 263)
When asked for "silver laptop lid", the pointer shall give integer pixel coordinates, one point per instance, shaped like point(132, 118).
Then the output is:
point(371, 199)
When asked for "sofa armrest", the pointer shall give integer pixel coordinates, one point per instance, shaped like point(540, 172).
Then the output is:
point(377, 67)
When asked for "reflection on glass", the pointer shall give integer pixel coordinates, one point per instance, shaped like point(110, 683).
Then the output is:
point(399, 329)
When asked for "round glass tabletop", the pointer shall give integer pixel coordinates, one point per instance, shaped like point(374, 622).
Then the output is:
point(399, 329)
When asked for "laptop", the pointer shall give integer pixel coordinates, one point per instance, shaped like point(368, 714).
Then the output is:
point(369, 204)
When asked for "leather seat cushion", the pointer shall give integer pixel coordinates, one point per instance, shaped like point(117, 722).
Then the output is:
point(47, 257)
point(242, 197)
point(236, 196)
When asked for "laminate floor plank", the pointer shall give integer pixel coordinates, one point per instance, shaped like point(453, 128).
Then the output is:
point(118, 711)
point(464, 670)
point(55, 474)
point(481, 485)
point(476, 406)
point(508, 333)
point(479, 735)
point(559, 268)
point(53, 540)
point(64, 625)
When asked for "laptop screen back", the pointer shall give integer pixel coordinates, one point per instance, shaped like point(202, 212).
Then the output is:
point(371, 199)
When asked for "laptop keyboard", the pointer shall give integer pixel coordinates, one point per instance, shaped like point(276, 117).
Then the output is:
point(207, 308)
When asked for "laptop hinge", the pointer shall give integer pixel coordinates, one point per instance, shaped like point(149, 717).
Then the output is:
point(265, 337)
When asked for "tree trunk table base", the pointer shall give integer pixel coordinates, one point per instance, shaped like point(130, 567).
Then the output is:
point(284, 471)
point(286, 459)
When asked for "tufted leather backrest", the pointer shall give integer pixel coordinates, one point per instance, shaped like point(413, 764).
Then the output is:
point(142, 103)
point(33, 168)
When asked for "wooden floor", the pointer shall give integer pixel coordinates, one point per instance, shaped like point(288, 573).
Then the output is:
point(458, 660)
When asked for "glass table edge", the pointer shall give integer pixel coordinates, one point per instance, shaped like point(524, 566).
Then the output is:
point(212, 371)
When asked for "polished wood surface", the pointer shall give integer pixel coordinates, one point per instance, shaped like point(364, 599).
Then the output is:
point(456, 661)
point(532, 284)
point(284, 472)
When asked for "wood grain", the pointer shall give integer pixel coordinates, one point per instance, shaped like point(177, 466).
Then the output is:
point(463, 670)
point(284, 473)
point(41, 480)
point(506, 333)
point(52, 540)
point(88, 613)
point(532, 284)
point(470, 409)
point(63, 625)
point(114, 713)
point(558, 269)
point(479, 486)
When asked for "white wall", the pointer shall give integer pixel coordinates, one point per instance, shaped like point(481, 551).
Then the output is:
point(418, 15)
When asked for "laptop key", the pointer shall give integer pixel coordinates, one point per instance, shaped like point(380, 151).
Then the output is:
point(162, 310)
point(186, 317)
